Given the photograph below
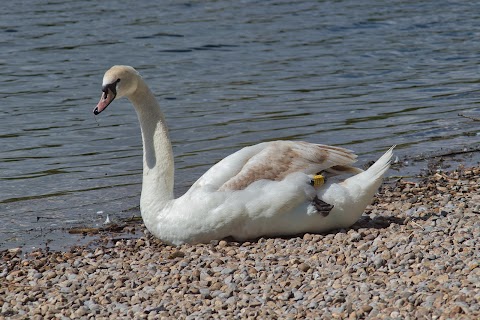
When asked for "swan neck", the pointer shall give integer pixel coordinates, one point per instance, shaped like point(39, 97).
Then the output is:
point(158, 164)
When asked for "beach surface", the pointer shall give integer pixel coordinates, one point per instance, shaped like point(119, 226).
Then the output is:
point(414, 254)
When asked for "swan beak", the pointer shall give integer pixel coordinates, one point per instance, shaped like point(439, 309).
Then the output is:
point(107, 97)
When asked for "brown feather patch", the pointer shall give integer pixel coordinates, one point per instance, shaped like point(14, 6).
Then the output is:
point(280, 158)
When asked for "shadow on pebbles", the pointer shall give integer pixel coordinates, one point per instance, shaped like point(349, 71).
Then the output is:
point(413, 255)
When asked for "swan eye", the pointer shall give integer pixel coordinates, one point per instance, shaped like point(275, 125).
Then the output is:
point(112, 87)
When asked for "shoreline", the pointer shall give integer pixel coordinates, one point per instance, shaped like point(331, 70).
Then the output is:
point(61, 238)
point(413, 254)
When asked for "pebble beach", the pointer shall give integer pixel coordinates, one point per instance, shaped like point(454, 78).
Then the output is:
point(414, 254)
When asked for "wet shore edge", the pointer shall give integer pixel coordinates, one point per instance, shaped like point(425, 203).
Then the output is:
point(130, 225)
point(413, 254)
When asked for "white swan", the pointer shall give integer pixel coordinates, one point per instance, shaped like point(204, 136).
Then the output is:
point(262, 190)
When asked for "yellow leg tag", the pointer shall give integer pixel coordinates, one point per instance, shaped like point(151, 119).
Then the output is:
point(318, 180)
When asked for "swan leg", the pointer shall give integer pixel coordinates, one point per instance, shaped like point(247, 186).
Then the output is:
point(322, 207)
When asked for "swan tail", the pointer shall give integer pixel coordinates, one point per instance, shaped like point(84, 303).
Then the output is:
point(378, 169)
point(370, 179)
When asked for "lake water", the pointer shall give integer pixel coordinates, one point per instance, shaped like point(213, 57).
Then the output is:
point(359, 74)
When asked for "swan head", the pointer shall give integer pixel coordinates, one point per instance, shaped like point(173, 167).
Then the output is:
point(118, 81)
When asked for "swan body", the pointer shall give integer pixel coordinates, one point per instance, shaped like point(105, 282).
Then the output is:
point(261, 190)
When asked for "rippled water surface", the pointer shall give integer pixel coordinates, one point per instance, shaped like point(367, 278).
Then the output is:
point(359, 74)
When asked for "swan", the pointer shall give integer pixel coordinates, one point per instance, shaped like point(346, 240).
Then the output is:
point(269, 189)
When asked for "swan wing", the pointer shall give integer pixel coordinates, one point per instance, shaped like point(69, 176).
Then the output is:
point(274, 161)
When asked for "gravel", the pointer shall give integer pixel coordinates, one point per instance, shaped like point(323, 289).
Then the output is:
point(413, 255)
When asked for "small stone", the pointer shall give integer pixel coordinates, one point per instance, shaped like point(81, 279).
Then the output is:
point(222, 243)
point(194, 290)
point(298, 295)
point(14, 251)
point(355, 236)
point(49, 275)
point(378, 262)
point(303, 267)
point(81, 311)
point(227, 271)
point(216, 286)
point(456, 310)
point(394, 314)
point(140, 243)
point(205, 292)
point(176, 254)
point(367, 308)
point(231, 300)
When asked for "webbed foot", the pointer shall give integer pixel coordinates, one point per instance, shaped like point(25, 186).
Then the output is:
point(322, 207)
